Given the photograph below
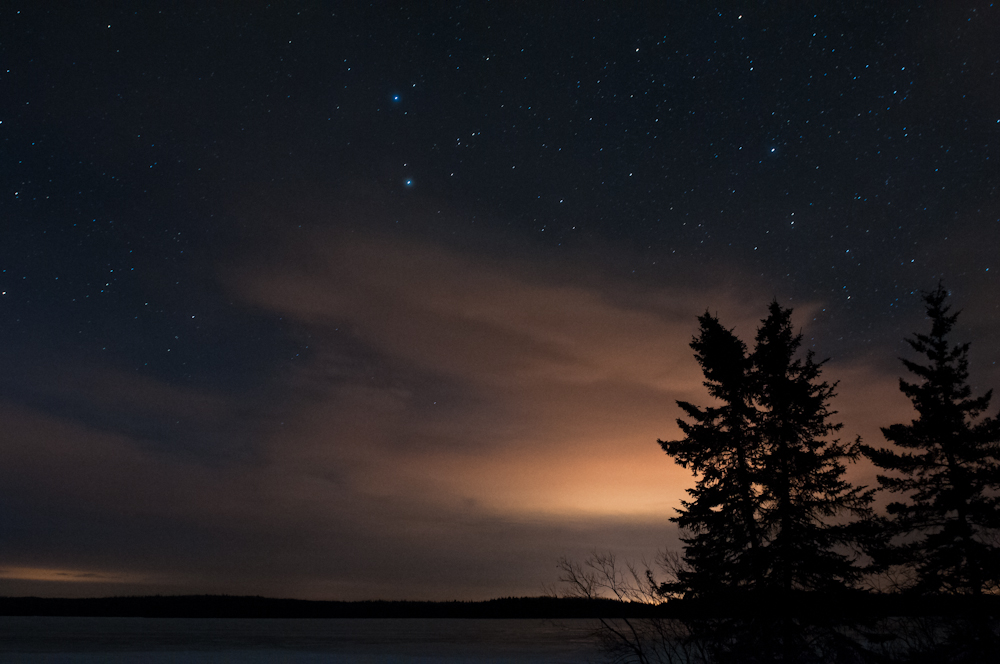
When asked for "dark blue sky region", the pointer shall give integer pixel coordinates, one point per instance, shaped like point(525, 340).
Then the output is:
point(352, 301)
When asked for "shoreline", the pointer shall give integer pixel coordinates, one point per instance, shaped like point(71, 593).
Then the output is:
point(845, 607)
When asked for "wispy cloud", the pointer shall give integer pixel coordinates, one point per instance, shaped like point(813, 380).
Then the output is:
point(516, 387)
point(459, 421)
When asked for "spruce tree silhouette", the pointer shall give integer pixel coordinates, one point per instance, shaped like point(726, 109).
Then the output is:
point(721, 447)
point(770, 480)
point(946, 465)
point(803, 474)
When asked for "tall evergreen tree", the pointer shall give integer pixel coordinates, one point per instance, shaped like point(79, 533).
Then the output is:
point(770, 480)
point(720, 447)
point(947, 464)
point(803, 475)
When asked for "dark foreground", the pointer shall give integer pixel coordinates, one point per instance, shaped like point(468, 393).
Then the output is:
point(850, 629)
point(70, 640)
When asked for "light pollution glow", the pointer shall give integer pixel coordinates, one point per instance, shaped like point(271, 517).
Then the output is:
point(504, 414)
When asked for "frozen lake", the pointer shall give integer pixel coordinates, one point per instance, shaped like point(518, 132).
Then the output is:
point(258, 641)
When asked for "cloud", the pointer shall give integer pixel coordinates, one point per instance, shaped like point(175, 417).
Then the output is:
point(459, 421)
point(519, 388)
point(203, 424)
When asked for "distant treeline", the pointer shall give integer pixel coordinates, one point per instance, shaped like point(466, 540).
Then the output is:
point(228, 606)
point(856, 605)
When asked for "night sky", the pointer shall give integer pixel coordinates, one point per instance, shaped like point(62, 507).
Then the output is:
point(326, 301)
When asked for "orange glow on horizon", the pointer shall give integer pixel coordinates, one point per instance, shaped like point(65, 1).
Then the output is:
point(67, 575)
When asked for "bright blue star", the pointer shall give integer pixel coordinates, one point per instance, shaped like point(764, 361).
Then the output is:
point(408, 182)
point(396, 98)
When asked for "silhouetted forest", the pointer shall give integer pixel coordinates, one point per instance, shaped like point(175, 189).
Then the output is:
point(553, 608)
point(227, 606)
point(784, 559)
